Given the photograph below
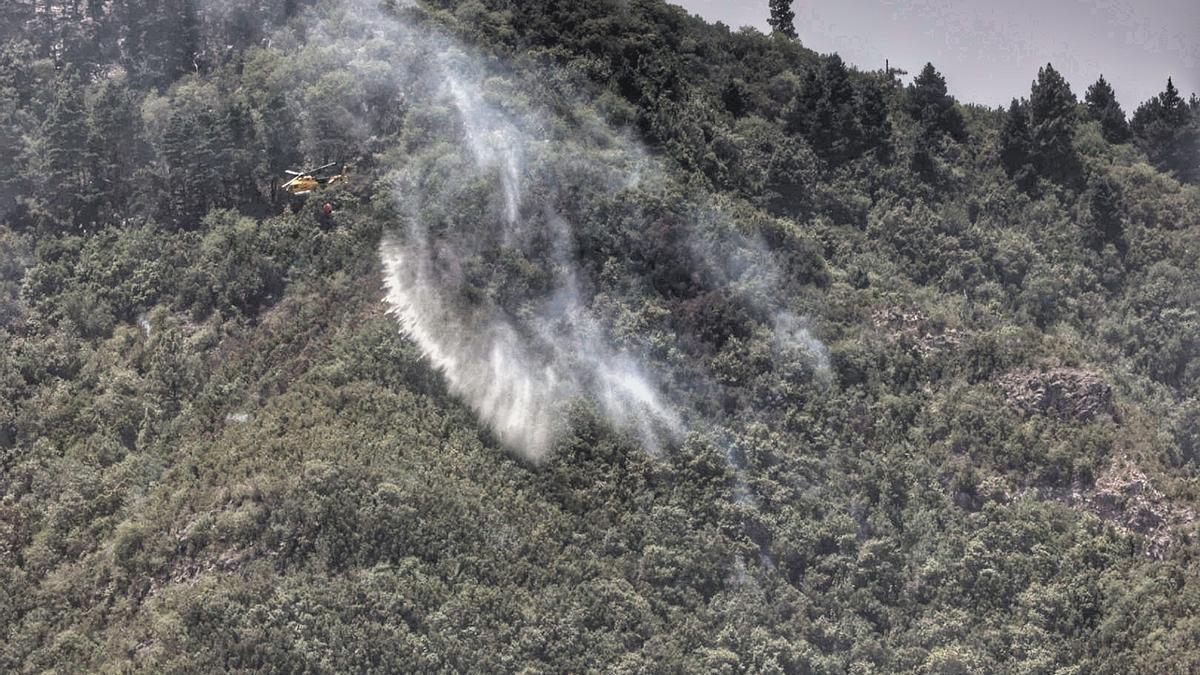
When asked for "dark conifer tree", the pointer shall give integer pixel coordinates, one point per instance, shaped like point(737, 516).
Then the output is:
point(782, 18)
point(1052, 125)
point(932, 107)
point(278, 140)
point(114, 136)
point(79, 42)
point(12, 119)
point(1167, 129)
point(826, 113)
point(1016, 145)
point(1102, 106)
point(873, 117)
point(1147, 121)
point(733, 96)
point(66, 188)
point(1172, 103)
point(185, 201)
point(238, 155)
point(65, 130)
point(213, 150)
point(160, 41)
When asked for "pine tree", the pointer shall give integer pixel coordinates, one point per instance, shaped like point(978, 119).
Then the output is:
point(13, 122)
point(826, 113)
point(1016, 146)
point(782, 19)
point(66, 188)
point(933, 108)
point(160, 41)
point(64, 130)
point(1173, 105)
point(1052, 121)
point(186, 172)
point(733, 96)
point(874, 120)
point(277, 139)
point(213, 145)
point(79, 43)
point(936, 115)
point(1102, 107)
point(1167, 129)
point(239, 154)
point(114, 126)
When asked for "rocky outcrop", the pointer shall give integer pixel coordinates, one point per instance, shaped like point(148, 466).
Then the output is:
point(914, 328)
point(1063, 393)
point(1124, 496)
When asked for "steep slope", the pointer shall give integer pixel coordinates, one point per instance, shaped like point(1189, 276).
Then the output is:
point(851, 349)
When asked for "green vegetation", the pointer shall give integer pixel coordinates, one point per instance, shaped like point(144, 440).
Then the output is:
point(783, 19)
point(218, 452)
point(1102, 107)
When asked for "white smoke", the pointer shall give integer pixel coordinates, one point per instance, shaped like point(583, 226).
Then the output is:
point(794, 339)
point(485, 276)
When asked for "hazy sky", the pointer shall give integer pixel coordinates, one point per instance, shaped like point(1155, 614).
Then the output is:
point(991, 51)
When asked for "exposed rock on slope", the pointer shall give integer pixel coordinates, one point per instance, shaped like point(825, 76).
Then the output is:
point(914, 328)
point(1064, 393)
point(1125, 496)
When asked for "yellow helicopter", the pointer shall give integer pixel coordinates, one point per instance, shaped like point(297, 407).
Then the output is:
point(304, 182)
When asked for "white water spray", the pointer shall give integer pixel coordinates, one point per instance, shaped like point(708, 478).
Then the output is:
point(485, 276)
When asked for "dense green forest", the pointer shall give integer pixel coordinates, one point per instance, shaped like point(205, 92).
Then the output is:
point(632, 344)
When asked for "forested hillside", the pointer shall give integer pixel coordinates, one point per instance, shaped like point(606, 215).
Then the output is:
point(630, 344)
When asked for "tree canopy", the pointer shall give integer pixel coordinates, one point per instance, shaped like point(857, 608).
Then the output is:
point(931, 420)
point(782, 19)
point(1103, 107)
